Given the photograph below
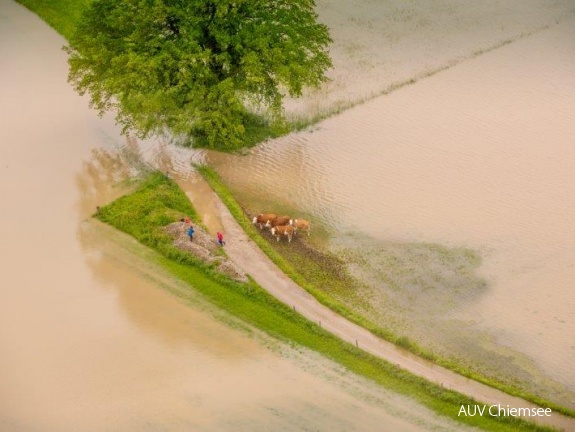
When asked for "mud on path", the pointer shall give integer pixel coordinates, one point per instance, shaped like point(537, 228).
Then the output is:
point(248, 256)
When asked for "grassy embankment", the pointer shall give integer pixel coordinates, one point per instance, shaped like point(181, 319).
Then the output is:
point(316, 269)
point(159, 201)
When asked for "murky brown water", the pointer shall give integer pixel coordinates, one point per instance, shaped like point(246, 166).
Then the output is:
point(479, 156)
point(91, 335)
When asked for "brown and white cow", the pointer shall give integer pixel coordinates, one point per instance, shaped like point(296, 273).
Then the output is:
point(279, 221)
point(263, 219)
point(301, 224)
point(286, 230)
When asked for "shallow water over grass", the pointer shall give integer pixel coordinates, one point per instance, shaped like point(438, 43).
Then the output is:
point(477, 158)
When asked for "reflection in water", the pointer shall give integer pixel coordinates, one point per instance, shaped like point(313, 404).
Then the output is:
point(101, 179)
point(480, 156)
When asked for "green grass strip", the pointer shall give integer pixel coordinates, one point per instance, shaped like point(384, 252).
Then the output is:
point(237, 212)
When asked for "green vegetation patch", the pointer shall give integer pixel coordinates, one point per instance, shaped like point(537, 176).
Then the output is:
point(157, 202)
point(142, 214)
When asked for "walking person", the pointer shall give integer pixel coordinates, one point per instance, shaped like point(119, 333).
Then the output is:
point(191, 233)
point(221, 241)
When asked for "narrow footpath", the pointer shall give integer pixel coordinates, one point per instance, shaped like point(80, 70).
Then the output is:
point(246, 254)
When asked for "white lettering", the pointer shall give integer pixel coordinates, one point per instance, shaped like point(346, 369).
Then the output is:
point(467, 411)
point(498, 410)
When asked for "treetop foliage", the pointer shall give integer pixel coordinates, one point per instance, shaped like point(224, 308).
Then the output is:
point(194, 67)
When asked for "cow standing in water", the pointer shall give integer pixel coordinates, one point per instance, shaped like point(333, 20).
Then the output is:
point(301, 224)
point(279, 221)
point(286, 230)
point(263, 219)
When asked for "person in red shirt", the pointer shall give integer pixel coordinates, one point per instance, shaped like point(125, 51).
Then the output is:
point(220, 238)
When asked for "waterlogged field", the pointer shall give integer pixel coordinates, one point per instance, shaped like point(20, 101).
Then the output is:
point(451, 201)
point(380, 45)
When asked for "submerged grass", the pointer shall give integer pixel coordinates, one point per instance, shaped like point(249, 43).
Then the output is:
point(324, 270)
point(159, 201)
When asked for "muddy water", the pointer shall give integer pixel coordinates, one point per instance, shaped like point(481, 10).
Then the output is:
point(91, 335)
point(479, 156)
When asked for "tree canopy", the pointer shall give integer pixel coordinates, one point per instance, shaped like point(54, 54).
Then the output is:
point(196, 68)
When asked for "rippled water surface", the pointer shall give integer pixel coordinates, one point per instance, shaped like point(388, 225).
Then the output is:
point(90, 337)
point(479, 157)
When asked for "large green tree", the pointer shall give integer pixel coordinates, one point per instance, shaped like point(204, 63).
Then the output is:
point(196, 68)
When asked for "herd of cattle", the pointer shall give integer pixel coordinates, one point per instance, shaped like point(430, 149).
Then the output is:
point(282, 225)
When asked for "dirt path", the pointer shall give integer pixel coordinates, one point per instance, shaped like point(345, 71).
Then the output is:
point(253, 261)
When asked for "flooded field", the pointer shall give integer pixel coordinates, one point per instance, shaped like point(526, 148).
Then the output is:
point(379, 45)
point(458, 190)
point(92, 336)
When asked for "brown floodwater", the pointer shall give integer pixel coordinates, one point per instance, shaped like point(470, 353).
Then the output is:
point(92, 336)
point(479, 156)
